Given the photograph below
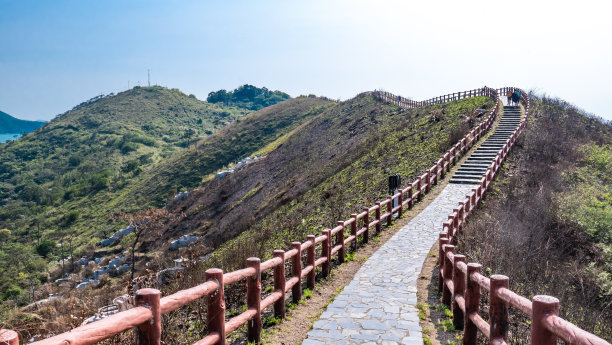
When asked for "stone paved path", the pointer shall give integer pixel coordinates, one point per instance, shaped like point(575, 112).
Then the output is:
point(379, 305)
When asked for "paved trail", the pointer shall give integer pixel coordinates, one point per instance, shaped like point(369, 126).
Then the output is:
point(379, 305)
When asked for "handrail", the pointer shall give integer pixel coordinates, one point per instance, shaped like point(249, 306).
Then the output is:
point(461, 285)
point(214, 287)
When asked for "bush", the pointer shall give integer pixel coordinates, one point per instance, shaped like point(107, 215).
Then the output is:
point(45, 247)
point(130, 165)
point(12, 292)
point(71, 217)
point(128, 147)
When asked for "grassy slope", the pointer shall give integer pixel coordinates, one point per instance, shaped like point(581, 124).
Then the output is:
point(548, 222)
point(9, 124)
point(254, 132)
point(324, 171)
point(60, 181)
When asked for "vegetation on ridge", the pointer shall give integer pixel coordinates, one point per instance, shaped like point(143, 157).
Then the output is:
point(248, 97)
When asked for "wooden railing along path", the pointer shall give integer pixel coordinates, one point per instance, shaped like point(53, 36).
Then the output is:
point(146, 316)
point(461, 283)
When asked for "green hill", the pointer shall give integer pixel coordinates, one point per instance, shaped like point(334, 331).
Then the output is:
point(60, 183)
point(9, 124)
point(121, 153)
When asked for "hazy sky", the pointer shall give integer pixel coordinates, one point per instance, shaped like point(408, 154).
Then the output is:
point(56, 54)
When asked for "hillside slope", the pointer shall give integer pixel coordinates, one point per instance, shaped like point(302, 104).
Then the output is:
point(547, 223)
point(57, 184)
point(188, 169)
point(325, 170)
point(121, 154)
point(10, 124)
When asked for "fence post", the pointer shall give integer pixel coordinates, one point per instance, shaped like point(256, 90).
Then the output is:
point(400, 203)
point(472, 301)
point(215, 316)
point(442, 241)
point(458, 290)
point(310, 261)
point(279, 284)
point(296, 271)
point(543, 306)
point(410, 199)
point(498, 311)
point(366, 224)
point(254, 301)
point(354, 232)
point(436, 169)
point(149, 333)
point(448, 271)
point(419, 188)
point(340, 241)
point(389, 210)
point(427, 181)
point(326, 251)
point(378, 225)
point(8, 337)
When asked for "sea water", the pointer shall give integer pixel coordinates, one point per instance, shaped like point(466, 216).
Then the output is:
point(11, 136)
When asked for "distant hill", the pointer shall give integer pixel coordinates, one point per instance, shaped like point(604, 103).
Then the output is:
point(248, 97)
point(9, 124)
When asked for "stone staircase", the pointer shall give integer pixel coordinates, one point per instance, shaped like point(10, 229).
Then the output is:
point(474, 168)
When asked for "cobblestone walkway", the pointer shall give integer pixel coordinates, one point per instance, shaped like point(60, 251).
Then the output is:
point(379, 305)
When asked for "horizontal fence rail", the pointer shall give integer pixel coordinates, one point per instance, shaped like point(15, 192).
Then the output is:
point(302, 258)
point(461, 283)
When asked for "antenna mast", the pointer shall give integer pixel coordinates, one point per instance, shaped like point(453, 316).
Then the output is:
point(149, 76)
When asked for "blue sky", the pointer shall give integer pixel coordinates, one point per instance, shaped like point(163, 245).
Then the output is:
point(56, 54)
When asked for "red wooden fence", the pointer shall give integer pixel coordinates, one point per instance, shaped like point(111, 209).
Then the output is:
point(146, 316)
point(461, 283)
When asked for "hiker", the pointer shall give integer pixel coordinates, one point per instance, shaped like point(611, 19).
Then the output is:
point(509, 95)
point(515, 98)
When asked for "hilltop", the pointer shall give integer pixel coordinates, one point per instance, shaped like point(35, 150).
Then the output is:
point(10, 124)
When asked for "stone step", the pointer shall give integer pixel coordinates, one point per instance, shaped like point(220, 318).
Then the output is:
point(474, 179)
point(476, 165)
point(468, 172)
point(463, 181)
point(486, 150)
point(482, 159)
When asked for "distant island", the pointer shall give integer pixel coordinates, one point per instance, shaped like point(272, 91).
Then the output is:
point(12, 125)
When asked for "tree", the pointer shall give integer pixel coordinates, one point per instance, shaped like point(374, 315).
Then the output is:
point(149, 222)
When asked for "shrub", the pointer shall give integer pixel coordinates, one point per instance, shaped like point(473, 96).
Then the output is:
point(45, 246)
